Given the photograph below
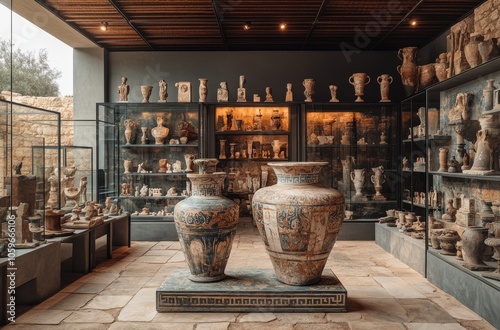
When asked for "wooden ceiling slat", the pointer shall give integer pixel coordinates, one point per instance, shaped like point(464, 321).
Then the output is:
point(198, 25)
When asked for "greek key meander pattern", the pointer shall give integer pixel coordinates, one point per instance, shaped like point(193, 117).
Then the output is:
point(332, 300)
point(206, 191)
point(298, 178)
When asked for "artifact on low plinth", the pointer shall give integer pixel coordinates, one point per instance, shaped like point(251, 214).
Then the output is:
point(299, 220)
point(206, 224)
point(488, 145)
point(474, 247)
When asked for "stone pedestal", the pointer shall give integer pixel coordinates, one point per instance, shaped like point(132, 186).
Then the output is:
point(250, 290)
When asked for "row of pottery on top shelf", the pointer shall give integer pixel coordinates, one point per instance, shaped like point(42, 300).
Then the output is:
point(462, 56)
point(358, 177)
point(346, 139)
point(186, 131)
point(434, 199)
point(163, 166)
point(254, 149)
point(406, 222)
point(358, 80)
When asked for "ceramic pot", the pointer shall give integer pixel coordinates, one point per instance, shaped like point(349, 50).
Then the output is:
point(146, 93)
point(447, 241)
point(359, 81)
point(408, 69)
point(427, 75)
point(435, 233)
point(487, 49)
point(488, 138)
point(385, 82)
point(309, 89)
point(358, 178)
point(471, 51)
point(126, 165)
point(410, 218)
point(473, 248)
point(299, 220)
point(130, 127)
point(206, 225)
point(441, 67)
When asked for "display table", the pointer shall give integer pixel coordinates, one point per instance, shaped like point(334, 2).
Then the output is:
point(37, 274)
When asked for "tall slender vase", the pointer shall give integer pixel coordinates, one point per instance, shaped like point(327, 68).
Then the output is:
point(206, 224)
point(385, 82)
point(488, 94)
point(443, 160)
point(203, 90)
point(299, 220)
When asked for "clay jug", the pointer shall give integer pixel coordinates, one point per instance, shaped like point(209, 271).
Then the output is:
point(359, 80)
point(206, 224)
point(408, 69)
point(358, 178)
point(471, 51)
point(299, 221)
point(146, 93)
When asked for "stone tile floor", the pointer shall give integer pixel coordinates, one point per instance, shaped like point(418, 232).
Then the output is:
point(383, 293)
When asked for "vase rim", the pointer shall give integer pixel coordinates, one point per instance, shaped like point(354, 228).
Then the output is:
point(288, 164)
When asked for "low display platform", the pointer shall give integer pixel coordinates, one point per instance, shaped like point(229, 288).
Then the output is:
point(249, 290)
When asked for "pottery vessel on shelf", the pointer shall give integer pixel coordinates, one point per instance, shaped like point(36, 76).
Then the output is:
point(206, 224)
point(146, 93)
point(130, 127)
point(308, 89)
point(203, 90)
point(473, 248)
point(434, 238)
point(385, 82)
point(358, 178)
point(408, 69)
point(359, 81)
point(488, 94)
point(426, 75)
point(441, 66)
point(447, 241)
point(299, 221)
point(494, 242)
point(487, 49)
point(471, 51)
point(443, 160)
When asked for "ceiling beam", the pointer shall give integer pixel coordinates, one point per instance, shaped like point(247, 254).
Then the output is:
point(216, 12)
point(318, 14)
point(125, 16)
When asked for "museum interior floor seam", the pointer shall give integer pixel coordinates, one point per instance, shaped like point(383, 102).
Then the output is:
point(383, 293)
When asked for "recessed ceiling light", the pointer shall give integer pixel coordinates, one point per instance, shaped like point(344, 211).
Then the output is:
point(282, 26)
point(247, 26)
point(413, 22)
point(104, 26)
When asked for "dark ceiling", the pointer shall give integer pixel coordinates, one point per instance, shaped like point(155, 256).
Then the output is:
point(137, 25)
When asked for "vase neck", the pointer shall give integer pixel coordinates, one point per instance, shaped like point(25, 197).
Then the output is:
point(302, 178)
point(206, 184)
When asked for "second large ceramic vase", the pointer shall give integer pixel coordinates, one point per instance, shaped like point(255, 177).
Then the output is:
point(299, 221)
point(206, 224)
point(408, 69)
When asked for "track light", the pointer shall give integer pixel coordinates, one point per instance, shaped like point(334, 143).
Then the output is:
point(104, 26)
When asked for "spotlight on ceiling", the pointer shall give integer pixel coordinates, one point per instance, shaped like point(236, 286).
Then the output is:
point(247, 26)
point(104, 26)
point(413, 22)
point(282, 26)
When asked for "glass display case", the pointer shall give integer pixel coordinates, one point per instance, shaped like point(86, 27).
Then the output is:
point(144, 153)
point(247, 136)
point(359, 142)
point(23, 176)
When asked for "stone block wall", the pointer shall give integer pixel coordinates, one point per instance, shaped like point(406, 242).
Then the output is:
point(487, 19)
point(28, 127)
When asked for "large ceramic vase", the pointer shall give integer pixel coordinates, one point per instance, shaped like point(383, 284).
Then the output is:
point(359, 81)
point(473, 248)
point(206, 224)
point(408, 69)
point(299, 220)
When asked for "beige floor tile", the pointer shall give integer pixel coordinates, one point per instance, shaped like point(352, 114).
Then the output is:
point(213, 326)
point(90, 315)
point(151, 326)
point(37, 316)
point(141, 308)
point(398, 288)
point(257, 317)
point(73, 301)
point(108, 302)
point(195, 317)
point(322, 326)
point(434, 326)
point(376, 326)
point(293, 318)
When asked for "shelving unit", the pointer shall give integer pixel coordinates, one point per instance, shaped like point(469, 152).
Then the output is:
point(145, 173)
point(470, 287)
